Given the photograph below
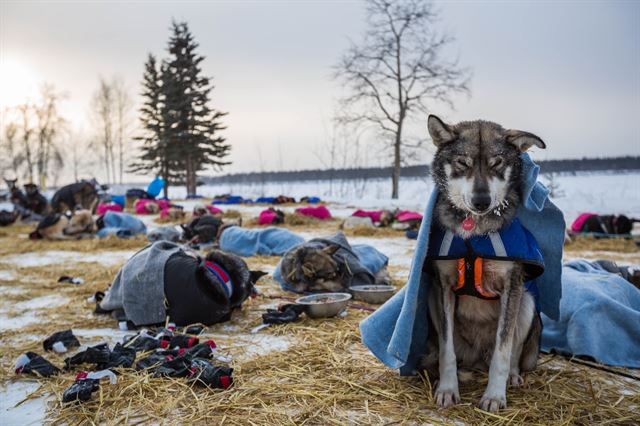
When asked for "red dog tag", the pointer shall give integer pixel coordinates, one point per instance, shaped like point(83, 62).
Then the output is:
point(468, 224)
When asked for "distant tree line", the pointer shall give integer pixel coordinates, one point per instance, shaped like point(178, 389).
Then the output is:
point(618, 164)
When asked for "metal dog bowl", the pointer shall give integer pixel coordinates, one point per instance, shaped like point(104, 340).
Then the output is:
point(324, 305)
point(375, 294)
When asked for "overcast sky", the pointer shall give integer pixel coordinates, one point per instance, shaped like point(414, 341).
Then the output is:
point(567, 71)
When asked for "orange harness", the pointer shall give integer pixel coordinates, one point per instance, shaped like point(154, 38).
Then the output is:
point(470, 279)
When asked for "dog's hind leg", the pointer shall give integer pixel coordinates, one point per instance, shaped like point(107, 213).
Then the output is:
point(531, 347)
point(442, 303)
point(495, 396)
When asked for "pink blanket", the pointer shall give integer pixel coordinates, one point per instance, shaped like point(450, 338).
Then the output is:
point(375, 215)
point(213, 209)
point(141, 203)
point(319, 212)
point(108, 207)
point(407, 215)
point(576, 226)
point(267, 217)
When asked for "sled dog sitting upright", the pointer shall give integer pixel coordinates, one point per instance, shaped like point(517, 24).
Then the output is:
point(482, 317)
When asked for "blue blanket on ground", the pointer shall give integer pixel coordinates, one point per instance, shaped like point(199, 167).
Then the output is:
point(122, 225)
point(397, 332)
point(599, 316)
point(270, 241)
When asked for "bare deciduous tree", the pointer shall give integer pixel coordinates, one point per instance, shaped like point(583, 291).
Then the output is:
point(103, 109)
point(123, 106)
point(398, 69)
point(111, 105)
point(25, 112)
point(49, 126)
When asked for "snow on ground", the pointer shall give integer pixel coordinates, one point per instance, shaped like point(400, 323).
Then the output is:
point(30, 412)
point(6, 275)
point(575, 193)
point(14, 323)
point(53, 257)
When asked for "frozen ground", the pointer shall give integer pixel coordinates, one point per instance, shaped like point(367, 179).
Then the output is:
point(598, 193)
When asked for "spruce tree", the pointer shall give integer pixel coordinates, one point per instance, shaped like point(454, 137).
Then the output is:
point(192, 126)
point(153, 157)
point(181, 130)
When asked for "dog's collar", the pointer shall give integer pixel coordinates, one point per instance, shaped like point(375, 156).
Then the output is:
point(222, 276)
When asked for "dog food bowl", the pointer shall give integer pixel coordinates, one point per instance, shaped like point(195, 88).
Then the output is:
point(375, 294)
point(324, 305)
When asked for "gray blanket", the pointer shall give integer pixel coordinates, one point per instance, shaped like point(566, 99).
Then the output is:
point(138, 288)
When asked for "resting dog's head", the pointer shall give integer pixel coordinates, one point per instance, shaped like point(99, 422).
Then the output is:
point(477, 167)
point(242, 278)
point(80, 222)
point(309, 268)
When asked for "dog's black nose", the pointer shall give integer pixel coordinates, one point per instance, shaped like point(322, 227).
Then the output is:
point(481, 202)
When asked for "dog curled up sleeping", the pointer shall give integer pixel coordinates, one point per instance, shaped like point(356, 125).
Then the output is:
point(70, 226)
point(166, 280)
point(331, 264)
point(481, 261)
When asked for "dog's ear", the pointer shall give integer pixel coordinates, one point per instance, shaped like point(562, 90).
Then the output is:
point(256, 275)
point(524, 140)
point(331, 249)
point(440, 132)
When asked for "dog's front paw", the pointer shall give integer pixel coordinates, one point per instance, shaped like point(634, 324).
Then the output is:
point(492, 403)
point(446, 397)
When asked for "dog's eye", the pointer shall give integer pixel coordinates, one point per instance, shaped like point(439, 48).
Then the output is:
point(461, 163)
point(496, 162)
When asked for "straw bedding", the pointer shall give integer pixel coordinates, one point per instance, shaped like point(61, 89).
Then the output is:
point(308, 372)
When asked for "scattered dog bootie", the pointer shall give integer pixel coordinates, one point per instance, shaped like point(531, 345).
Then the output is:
point(201, 350)
point(183, 341)
point(32, 363)
point(204, 373)
point(61, 342)
point(80, 390)
point(153, 360)
point(284, 314)
point(72, 280)
point(120, 357)
point(143, 342)
point(98, 355)
point(86, 384)
point(176, 367)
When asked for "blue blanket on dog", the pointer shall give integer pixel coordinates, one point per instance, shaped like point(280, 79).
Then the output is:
point(122, 225)
point(397, 332)
point(599, 316)
point(364, 261)
point(270, 241)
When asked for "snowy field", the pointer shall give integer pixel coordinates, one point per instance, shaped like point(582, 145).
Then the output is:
point(24, 300)
point(603, 193)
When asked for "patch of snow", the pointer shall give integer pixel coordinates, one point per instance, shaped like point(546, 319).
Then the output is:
point(42, 302)
point(6, 275)
point(53, 257)
point(6, 290)
point(31, 412)
point(255, 344)
point(20, 321)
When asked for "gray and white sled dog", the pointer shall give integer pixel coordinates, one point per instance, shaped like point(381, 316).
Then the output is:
point(478, 171)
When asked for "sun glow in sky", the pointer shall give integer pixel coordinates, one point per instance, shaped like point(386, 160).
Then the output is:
point(18, 82)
